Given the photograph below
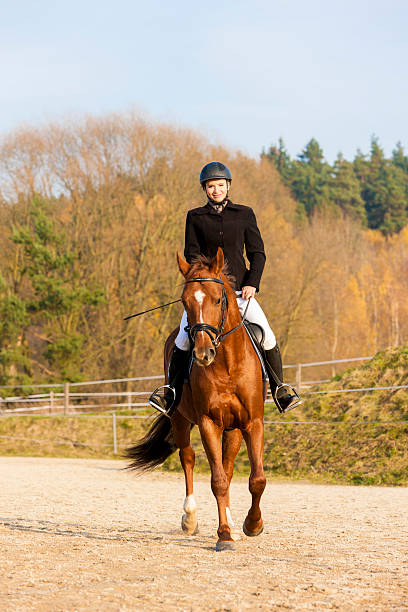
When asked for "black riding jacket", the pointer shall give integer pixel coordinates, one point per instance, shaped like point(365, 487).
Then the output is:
point(232, 230)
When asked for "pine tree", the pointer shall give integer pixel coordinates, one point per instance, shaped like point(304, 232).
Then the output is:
point(345, 190)
point(279, 156)
point(14, 361)
point(384, 192)
point(399, 158)
point(56, 298)
point(310, 178)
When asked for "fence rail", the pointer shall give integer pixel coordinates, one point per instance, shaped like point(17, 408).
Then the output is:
point(158, 376)
point(115, 417)
point(64, 400)
point(67, 401)
point(47, 402)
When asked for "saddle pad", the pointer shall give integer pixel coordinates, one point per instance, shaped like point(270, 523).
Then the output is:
point(257, 335)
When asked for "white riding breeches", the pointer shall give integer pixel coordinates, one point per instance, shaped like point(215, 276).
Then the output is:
point(254, 314)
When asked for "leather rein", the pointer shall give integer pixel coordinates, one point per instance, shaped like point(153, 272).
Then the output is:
point(215, 334)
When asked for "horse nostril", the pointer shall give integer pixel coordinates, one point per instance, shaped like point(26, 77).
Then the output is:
point(194, 354)
point(210, 354)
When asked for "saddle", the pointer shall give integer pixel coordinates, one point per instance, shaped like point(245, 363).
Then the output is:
point(280, 390)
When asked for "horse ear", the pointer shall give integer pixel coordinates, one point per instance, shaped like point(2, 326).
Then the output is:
point(218, 262)
point(183, 265)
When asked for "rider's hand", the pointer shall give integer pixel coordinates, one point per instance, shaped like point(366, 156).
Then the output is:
point(248, 292)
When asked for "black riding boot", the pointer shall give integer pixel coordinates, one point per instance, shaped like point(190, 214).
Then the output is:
point(166, 398)
point(284, 395)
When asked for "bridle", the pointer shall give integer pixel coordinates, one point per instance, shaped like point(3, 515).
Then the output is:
point(215, 334)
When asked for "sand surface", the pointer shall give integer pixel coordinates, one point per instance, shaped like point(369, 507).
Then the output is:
point(83, 535)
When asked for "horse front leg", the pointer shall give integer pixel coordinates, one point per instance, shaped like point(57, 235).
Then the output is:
point(181, 433)
point(211, 438)
point(254, 438)
point(231, 443)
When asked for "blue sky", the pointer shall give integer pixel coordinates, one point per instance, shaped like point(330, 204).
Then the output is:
point(242, 73)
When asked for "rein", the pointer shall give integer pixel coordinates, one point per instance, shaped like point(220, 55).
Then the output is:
point(215, 334)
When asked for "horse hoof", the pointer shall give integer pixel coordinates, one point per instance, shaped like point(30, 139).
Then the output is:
point(188, 530)
point(225, 545)
point(252, 534)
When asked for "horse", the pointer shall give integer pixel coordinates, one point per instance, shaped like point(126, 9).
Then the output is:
point(224, 398)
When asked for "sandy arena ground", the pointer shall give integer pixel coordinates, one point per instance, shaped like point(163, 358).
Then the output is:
point(82, 535)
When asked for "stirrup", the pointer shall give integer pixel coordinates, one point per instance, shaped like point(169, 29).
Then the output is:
point(157, 401)
point(282, 391)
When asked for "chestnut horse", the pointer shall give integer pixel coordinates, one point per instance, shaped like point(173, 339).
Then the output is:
point(224, 398)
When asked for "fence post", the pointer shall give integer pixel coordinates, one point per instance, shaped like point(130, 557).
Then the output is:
point(129, 401)
point(66, 398)
point(115, 442)
point(298, 376)
point(51, 402)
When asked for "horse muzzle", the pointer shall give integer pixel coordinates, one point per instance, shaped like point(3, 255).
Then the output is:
point(204, 356)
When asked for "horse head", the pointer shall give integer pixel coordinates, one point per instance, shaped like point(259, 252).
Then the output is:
point(206, 303)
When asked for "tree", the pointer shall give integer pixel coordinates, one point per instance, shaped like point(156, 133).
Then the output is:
point(384, 192)
point(399, 158)
point(345, 190)
point(55, 296)
point(310, 178)
point(14, 360)
point(113, 194)
point(279, 156)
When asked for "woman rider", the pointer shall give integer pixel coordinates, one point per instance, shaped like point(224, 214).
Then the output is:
point(221, 223)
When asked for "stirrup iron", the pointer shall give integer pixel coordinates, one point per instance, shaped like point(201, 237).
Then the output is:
point(282, 391)
point(156, 399)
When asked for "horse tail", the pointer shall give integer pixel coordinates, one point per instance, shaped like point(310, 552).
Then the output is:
point(154, 448)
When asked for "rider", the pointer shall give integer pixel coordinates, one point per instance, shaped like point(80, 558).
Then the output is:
point(221, 223)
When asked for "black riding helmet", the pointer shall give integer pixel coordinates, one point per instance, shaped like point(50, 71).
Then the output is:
point(214, 170)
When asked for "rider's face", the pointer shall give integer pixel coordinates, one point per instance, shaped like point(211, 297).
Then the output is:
point(217, 190)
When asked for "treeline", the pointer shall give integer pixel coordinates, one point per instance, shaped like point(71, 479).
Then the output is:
point(91, 216)
point(371, 189)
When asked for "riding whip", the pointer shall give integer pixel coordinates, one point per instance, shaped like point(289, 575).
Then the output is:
point(150, 310)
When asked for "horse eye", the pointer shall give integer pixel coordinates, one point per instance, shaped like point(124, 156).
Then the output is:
point(218, 301)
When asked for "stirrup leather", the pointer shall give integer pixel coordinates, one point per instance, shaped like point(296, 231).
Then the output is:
point(282, 391)
point(157, 401)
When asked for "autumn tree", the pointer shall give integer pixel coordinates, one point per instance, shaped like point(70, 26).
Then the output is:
point(110, 197)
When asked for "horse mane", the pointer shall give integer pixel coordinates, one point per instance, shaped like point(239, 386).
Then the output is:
point(202, 261)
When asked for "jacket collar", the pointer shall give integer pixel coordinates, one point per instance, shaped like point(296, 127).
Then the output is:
point(208, 209)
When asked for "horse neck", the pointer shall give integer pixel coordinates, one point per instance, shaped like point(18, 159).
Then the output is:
point(233, 349)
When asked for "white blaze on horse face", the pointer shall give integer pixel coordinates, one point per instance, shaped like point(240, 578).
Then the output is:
point(199, 296)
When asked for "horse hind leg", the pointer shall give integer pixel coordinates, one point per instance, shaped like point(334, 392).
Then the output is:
point(189, 522)
point(181, 433)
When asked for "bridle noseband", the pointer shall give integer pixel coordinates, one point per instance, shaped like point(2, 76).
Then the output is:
point(215, 334)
